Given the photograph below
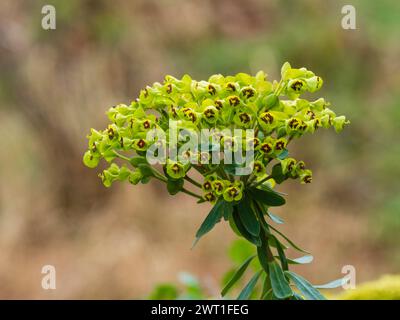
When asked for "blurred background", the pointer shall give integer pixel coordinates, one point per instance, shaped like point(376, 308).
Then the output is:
point(120, 242)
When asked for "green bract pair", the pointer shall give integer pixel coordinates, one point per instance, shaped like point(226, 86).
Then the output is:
point(234, 131)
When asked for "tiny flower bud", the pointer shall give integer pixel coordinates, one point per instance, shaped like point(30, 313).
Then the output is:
point(91, 160)
point(258, 168)
point(248, 92)
point(242, 119)
point(339, 122)
point(175, 170)
point(267, 121)
point(234, 101)
point(210, 114)
point(232, 87)
point(189, 114)
point(232, 193)
point(297, 86)
point(299, 168)
point(211, 89)
point(306, 176)
point(266, 148)
point(314, 83)
point(280, 144)
point(218, 104)
point(135, 177)
point(218, 186)
point(111, 133)
point(207, 186)
point(288, 165)
point(209, 196)
point(140, 144)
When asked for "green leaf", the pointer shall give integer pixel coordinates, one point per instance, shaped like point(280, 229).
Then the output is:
point(227, 210)
point(279, 284)
point(262, 257)
point(248, 289)
point(294, 246)
point(333, 284)
point(302, 260)
point(269, 295)
point(242, 230)
point(296, 296)
point(248, 217)
point(305, 287)
point(266, 188)
point(275, 218)
point(174, 186)
point(266, 286)
point(277, 173)
point(237, 275)
point(281, 253)
point(210, 221)
point(233, 226)
point(269, 198)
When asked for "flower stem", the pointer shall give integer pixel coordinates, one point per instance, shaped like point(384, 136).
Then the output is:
point(191, 193)
point(261, 181)
point(121, 156)
point(192, 181)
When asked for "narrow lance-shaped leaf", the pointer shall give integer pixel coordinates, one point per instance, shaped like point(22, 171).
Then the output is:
point(280, 285)
point(333, 284)
point(288, 240)
point(281, 253)
point(237, 275)
point(269, 198)
point(269, 295)
point(306, 288)
point(227, 210)
point(301, 260)
point(210, 221)
point(275, 218)
point(248, 217)
point(242, 230)
point(266, 286)
point(296, 296)
point(248, 289)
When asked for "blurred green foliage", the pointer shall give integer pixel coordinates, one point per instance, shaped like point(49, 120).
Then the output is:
point(385, 288)
point(189, 288)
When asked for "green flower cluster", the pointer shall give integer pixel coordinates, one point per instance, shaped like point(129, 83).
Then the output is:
point(274, 110)
point(234, 133)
